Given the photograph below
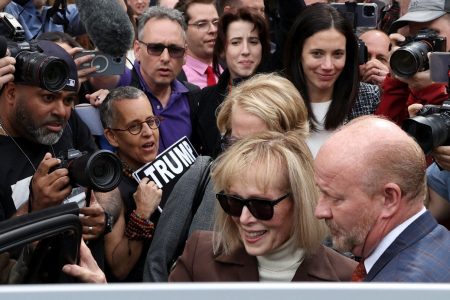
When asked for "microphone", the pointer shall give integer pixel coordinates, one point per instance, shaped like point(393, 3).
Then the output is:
point(107, 24)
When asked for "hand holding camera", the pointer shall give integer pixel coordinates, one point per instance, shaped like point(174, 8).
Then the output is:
point(374, 71)
point(48, 188)
point(93, 219)
point(83, 73)
point(6, 70)
point(410, 62)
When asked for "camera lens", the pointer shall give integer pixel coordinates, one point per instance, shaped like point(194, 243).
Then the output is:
point(55, 74)
point(429, 131)
point(104, 170)
point(369, 11)
point(101, 171)
point(38, 69)
point(410, 59)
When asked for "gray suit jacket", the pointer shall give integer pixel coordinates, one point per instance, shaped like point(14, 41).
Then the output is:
point(175, 221)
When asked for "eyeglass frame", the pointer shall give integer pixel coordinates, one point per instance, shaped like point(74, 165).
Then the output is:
point(163, 47)
point(155, 119)
point(248, 203)
point(210, 23)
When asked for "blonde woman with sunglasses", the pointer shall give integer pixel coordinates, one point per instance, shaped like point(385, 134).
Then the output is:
point(265, 229)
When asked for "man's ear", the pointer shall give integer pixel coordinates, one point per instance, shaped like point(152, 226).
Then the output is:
point(185, 54)
point(136, 47)
point(111, 137)
point(392, 194)
point(10, 92)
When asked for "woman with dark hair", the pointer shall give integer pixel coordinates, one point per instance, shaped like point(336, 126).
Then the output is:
point(243, 45)
point(321, 59)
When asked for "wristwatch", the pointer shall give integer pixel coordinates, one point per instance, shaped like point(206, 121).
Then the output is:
point(108, 222)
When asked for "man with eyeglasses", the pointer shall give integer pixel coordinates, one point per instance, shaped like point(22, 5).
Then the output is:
point(202, 20)
point(160, 50)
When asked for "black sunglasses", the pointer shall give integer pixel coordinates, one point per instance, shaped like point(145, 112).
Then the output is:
point(156, 49)
point(261, 209)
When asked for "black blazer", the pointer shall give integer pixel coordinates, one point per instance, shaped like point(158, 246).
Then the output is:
point(205, 134)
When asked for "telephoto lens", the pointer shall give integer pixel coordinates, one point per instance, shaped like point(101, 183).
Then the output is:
point(48, 72)
point(410, 59)
point(101, 171)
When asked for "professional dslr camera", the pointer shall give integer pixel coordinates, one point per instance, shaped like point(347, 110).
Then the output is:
point(412, 57)
point(32, 66)
point(100, 171)
point(431, 126)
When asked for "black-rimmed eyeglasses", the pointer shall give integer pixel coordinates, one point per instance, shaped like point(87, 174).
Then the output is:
point(157, 49)
point(136, 128)
point(261, 209)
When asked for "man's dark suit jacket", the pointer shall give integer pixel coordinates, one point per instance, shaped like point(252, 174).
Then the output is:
point(198, 263)
point(421, 253)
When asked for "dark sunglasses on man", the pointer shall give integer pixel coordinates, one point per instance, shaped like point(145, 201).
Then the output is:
point(261, 209)
point(158, 48)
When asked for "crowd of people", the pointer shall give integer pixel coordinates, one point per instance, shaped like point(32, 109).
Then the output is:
point(302, 171)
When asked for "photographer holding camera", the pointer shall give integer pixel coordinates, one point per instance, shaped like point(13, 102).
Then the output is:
point(36, 127)
point(438, 174)
point(428, 23)
point(36, 17)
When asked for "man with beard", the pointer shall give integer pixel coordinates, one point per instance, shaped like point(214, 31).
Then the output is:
point(371, 176)
point(36, 127)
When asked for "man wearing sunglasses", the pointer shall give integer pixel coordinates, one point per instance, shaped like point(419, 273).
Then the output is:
point(160, 50)
point(371, 175)
point(202, 21)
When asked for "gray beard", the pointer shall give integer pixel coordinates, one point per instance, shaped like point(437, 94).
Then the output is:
point(43, 137)
point(38, 134)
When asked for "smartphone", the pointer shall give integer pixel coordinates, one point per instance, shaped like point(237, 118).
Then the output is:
point(107, 64)
point(364, 14)
point(439, 66)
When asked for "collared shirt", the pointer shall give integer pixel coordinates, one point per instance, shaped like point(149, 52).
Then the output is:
point(370, 261)
point(195, 71)
point(34, 22)
point(176, 115)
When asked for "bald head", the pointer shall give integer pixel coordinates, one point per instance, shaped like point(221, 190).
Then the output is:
point(361, 135)
point(378, 45)
point(376, 151)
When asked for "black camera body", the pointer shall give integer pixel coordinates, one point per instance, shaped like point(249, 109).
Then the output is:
point(363, 53)
point(412, 57)
point(101, 171)
point(32, 66)
point(431, 126)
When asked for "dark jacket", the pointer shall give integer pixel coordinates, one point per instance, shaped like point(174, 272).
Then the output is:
point(205, 134)
point(198, 263)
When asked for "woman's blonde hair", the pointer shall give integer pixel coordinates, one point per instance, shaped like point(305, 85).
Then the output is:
point(270, 153)
point(270, 97)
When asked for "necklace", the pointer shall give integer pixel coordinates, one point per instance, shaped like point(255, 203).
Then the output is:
point(126, 169)
point(20, 148)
